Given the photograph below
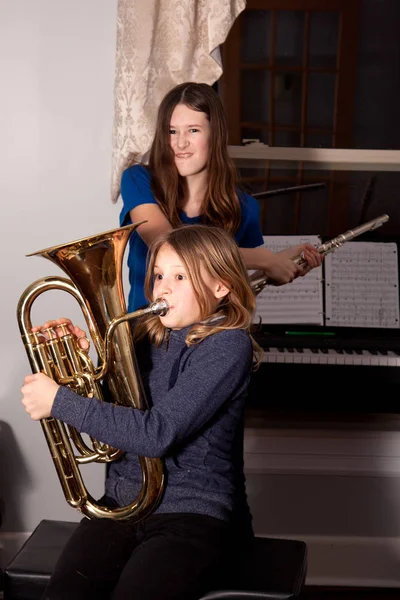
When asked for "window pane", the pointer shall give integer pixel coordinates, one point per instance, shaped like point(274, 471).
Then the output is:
point(288, 98)
point(321, 100)
point(324, 36)
point(255, 133)
point(319, 140)
point(255, 36)
point(255, 94)
point(289, 38)
point(287, 138)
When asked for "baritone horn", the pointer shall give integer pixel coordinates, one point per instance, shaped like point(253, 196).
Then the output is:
point(259, 279)
point(94, 268)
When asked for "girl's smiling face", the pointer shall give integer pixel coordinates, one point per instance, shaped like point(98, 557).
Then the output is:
point(172, 282)
point(190, 140)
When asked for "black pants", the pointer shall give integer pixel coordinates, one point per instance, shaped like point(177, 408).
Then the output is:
point(165, 557)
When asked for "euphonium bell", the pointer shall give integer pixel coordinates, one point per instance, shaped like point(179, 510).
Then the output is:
point(94, 267)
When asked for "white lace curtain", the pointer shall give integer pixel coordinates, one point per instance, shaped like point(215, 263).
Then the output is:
point(161, 43)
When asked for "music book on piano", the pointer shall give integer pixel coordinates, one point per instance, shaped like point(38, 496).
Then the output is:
point(298, 302)
point(361, 285)
point(356, 286)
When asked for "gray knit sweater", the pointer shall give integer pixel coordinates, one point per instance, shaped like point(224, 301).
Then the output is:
point(195, 423)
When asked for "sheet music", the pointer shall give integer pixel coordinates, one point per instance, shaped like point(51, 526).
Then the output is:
point(362, 287)
point(300, 301)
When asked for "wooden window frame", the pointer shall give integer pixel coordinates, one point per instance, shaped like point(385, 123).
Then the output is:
point(345, 89)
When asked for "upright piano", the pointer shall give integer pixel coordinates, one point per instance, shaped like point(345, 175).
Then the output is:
point(336, 368)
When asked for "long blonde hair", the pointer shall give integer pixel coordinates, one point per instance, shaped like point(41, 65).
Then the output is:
point(215, 250)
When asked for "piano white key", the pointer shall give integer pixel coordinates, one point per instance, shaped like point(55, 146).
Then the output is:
point(393, 360)
point(374, 361)
point(348, 359)
point(366, 357)
point(332, 357)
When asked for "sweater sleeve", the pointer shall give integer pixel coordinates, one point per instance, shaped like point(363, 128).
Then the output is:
point(217, 371)
point(135, 190)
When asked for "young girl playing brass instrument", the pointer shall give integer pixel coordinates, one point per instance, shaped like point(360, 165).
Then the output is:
point(195, 363)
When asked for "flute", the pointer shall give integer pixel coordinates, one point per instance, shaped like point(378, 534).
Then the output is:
point(259, 279)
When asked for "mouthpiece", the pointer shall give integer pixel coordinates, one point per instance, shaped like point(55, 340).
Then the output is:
point(159, 307)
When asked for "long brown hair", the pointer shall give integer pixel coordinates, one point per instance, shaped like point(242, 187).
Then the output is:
point(221, 206)
point(215, 250)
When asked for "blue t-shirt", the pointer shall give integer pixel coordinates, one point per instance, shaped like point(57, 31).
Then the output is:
point(136, 190)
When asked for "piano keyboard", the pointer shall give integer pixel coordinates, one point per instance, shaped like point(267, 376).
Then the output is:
point(338, 366)
point(325, 356)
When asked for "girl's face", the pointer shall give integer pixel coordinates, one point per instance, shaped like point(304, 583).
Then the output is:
point(171, 282)
point(190, 140)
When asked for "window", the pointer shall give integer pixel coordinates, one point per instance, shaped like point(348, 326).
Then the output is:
point(302, 74)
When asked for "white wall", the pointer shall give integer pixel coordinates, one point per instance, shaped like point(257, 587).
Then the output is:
point(56, 113)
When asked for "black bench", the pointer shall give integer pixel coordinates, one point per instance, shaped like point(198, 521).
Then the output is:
point(274, 569)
